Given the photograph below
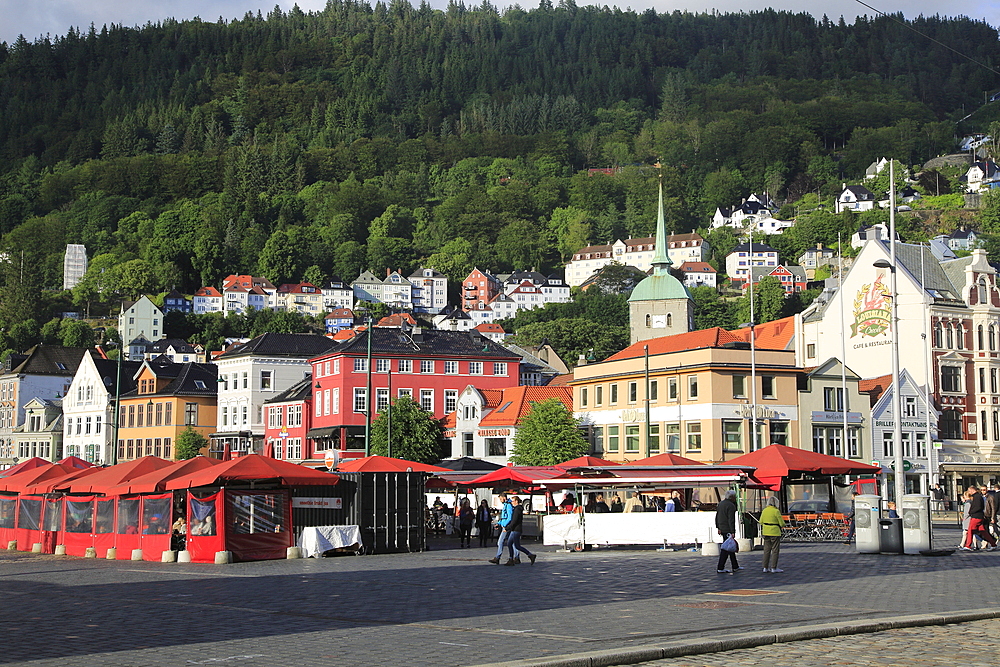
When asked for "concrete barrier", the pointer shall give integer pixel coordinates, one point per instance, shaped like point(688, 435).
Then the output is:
point(223, 557)
point(60, 549)
point(293, 552)
point(112, 554)
point(36, 548)
point(90, 552)
point(12, 545)
point(710, 549)
point(184, 556)
point(136, 554)
point(168, 556)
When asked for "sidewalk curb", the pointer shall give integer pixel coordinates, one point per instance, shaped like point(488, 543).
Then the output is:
point(677, 649)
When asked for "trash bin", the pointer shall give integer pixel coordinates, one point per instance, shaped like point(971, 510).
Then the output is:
point(890, 536)
point(866, 531)
point(916, 515)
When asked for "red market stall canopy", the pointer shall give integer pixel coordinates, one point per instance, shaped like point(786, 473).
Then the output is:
point(777, 461)
point(18, 482)
point(76, 462)
point(47, 485)
point(586, 462)
point(27, 464)
point(253, 468)
point(386, 464)
point(667, 459)
point(103, 480)
point(520, 475)
point(698, 475)
point(155, 481)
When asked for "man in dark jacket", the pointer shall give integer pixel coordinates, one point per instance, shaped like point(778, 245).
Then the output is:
point(725, 523)
point(515, 530)
point(989, 510)
point(977, 518)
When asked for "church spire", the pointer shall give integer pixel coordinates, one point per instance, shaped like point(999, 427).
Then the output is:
point(661, 259)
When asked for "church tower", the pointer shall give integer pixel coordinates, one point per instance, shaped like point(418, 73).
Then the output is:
point(660, 305)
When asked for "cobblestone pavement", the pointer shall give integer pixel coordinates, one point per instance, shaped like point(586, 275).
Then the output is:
point(967, 644)
point(448, 606)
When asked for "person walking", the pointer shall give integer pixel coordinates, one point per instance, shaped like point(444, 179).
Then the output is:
point(484, 522)
point(466, 517)
point(966, 504)
point(514, 530)
point(505, 513)
point(976, 521)
point(771, 524)
point(989, 510)
point(854, 510)
point(725, 523)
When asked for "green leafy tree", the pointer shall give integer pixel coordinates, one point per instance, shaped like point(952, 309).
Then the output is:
point(710, 310)
point(548, 435)
point(575, 336)
point(189, 444)
point(768, 302)
point(416, 435)
point(76, 333)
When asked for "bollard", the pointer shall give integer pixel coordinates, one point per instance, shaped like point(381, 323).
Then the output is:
point(184, 556)
point(60, 550)
point(36, 548)
point(710, 549)
point(12, 545)
point(745, 544)
point(223, 557)
point(168, 556)
point(91, 552)
point(136, 554)
point(293, 552)
point(112, 553)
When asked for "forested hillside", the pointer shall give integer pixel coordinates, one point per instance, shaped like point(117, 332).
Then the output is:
point(300, 145)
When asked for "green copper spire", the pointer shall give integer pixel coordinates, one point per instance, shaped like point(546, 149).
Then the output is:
point(661, 259)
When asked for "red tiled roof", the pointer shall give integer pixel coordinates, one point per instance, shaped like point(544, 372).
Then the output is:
point(339, 313)
point(208, 291)
point(561, 380)
point(450, 420)
point(492, 396)
point(774, 335)
point(875, 387)
point(520, 400)
point(702, 267)
point(397, 320)
point(345, 334)
point(692, 340)
point(489, 327)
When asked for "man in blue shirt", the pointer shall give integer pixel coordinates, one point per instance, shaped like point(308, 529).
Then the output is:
point(506, 512)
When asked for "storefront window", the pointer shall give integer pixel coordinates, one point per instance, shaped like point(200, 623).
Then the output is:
point(632, 438)
point(694, 436)
point(673, 437)
point(613, 438)
point(779, 433)
point(732, 434)
point(654, 439)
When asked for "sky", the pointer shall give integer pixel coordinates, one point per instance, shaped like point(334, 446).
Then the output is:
point(34, 18)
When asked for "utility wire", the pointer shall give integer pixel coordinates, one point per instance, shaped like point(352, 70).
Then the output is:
point(910, 27)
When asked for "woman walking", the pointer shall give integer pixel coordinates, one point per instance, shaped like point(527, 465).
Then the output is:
point(771, 524)
point(484, 522)
point(466, 516)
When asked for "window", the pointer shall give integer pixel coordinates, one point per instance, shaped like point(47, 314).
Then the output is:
point(692, 387)
point(854, 443)
point(451, 368)
point(779, 433)
point(673, 437)
point(739, 386)
point(599, 395)
point(597, 439)
point(653, 439)
point(168, 414)
point(833, 399)
point(633, 392)
point(996, 425)
point(475, 368)
point(938, 335)
point(159, 416)
point(694, 436)
point(767, 386)
point(335, 401)
point(246, 380)
point(887, 448)
point(982, 380)
point(920, 445)
point(613, 395)
point(653, 390)
point(949, 337)
point(979, 336)
point(405, 392)
point(951, 378)
point(671, 389)
point(361, 365)
point(265, 380)
point(613, 438)
point(274, 417)
point(427, 400)
point(632, 438)
point(583, 397)
point(405, 365)
point(983, 428)
point(468, 444)
point(381, 399)
point(833, 441)
point(811, 350)
point(993, 380)
point(450, 400)
point(245, 419)
point(993, 338)
point(495, 446)
point(319, 404)
point(360, 399)
point(959, 336)
point(382, 365)
point(336, 367)
point(732, 436)
point(294, 415)
point(500, 368)
point(97, 424)
point(909, 406)
point(191, 414)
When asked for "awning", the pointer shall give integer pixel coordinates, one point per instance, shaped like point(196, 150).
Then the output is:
point(324, 432)
point(703, 475)
point(231, 434)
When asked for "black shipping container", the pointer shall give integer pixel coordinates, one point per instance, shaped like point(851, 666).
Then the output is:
point(388, 507)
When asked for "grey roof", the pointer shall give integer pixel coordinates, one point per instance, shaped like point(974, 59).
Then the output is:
point(108, 370)
point(860, 191)
point(299, 391)
point(304, 345)
point(417, 342)
point(47, 360)
point(179, 344)
point(529, 359)
point(186, 379)
point(757, 247)
point(924, 268)
point(757, 272)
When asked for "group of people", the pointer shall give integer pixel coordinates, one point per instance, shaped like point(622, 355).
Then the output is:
point(510, 521)
point(979, 518)
point(771, 524)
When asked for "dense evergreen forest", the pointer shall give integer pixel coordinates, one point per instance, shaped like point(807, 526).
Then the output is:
point(299, 145)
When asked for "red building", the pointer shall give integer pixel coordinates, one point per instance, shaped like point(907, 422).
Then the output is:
point(479, 288)
point(430, 366)
point(287, 419)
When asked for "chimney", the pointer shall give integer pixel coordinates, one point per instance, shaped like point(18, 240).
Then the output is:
point(388, 272)
point(819, 246)
point(582, 360)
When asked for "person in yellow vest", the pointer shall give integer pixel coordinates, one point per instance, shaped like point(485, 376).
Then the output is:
point(771, 524)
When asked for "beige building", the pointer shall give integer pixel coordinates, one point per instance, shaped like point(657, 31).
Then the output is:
point(690, 394)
